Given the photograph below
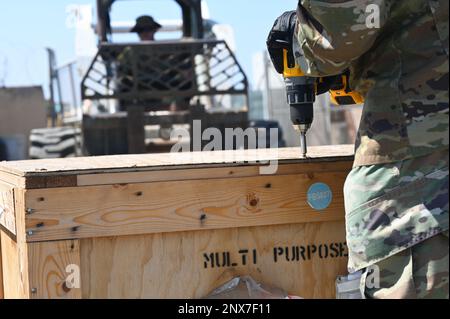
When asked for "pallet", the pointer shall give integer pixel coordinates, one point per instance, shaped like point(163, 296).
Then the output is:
point(171, 225)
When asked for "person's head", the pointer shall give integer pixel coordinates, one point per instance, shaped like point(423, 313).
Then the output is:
point(146, 27)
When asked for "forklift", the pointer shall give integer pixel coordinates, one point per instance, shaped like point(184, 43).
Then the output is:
point(163, 84)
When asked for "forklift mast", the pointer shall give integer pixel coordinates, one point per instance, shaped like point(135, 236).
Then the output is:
point(191, 12)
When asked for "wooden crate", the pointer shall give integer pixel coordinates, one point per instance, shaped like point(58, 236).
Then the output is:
point(171, 226)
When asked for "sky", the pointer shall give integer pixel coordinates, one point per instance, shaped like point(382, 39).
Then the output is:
point(27, 27)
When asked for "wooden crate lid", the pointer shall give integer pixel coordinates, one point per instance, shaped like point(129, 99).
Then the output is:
point(131, 163)
point(125, 169)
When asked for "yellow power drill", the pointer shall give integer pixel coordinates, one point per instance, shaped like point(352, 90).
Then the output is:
point(301, 94)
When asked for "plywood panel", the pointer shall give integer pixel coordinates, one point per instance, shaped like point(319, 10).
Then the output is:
point(206, 173)
point(14, 180)
point(14, 255)
point(7, 214)
point(55, 272)
point(130, 163)
point(179, 265)
point(14, 283)
point(152, 175)
point(166, 175)
point(1, 271)
point(114, 210)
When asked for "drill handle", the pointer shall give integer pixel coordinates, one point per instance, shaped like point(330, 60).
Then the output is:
point(291, 68)
point(342, 94)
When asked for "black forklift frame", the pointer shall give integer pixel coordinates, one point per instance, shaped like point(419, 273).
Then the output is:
point(147, 71)
point(191, 12)
point(132, 122)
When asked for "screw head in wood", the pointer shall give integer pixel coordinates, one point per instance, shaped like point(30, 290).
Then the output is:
point(65, 288)
point(29, 211)
point(30, 233)
point(33, 290)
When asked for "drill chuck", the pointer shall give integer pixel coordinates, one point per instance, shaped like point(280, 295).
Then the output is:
point(301, 96)
point(300, 90)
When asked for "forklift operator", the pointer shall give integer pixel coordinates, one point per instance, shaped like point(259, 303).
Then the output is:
point(146, 28)
point(153, 75)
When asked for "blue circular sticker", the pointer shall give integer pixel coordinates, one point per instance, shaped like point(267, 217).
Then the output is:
point(320, 196)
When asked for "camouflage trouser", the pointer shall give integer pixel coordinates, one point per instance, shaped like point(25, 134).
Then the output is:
point(396, 219)
point(418, 272)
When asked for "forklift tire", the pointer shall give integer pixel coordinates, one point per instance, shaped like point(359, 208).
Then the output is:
point(58, 142)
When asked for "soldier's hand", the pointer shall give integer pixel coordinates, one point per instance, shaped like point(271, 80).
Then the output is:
point(280, 38)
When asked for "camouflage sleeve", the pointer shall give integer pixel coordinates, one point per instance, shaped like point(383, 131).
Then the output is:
point(331, 34)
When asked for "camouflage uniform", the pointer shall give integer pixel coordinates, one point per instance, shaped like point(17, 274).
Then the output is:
point(395, 213)
point(397, 193)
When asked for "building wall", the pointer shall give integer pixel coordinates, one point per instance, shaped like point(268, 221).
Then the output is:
point(21, 110)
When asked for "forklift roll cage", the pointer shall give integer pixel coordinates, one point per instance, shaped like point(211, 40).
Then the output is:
point(142, 76)
point(209, 66)
point(191, 13)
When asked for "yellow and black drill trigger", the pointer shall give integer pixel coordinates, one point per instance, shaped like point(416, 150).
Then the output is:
point(342, 94)
point(291, 68)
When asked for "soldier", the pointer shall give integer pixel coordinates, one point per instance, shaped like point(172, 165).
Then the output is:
point(150, 74)
point(396, 196)
point(146, 28)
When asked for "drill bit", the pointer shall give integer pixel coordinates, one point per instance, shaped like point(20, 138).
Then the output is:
point(303, 144)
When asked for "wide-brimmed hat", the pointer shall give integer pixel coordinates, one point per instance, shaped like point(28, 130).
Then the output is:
point(146, 23)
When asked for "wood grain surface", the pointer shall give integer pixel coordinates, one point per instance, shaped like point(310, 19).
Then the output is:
point(14, 255)
point(174, 265)
point(2, 295)
point(53, 264)
point(129, 163)
point(131, 209)
point(7, 214)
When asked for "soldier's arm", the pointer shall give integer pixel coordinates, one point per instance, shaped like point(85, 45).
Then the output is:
point(331, 34)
